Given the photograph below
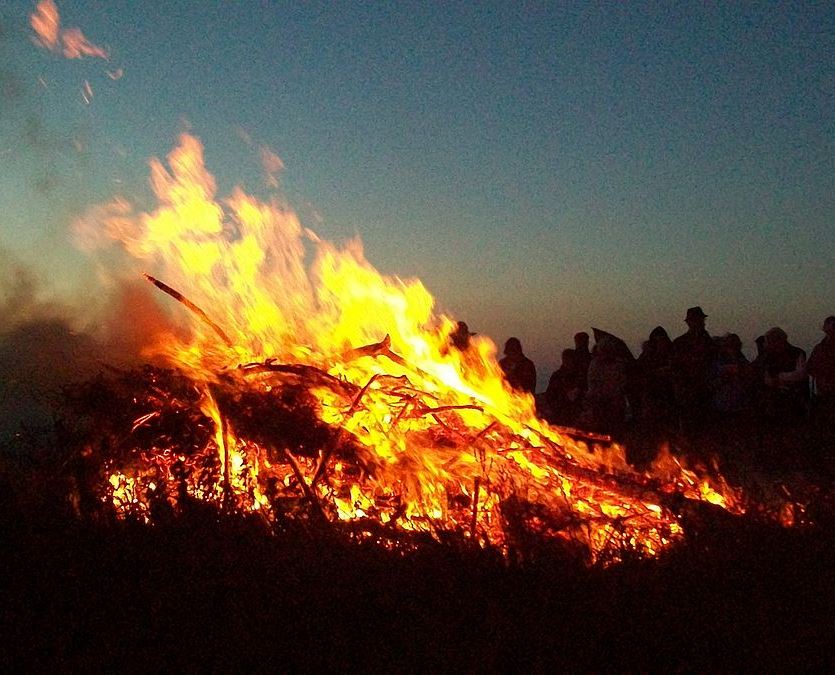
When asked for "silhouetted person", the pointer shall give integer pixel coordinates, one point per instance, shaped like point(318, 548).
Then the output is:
point(693, 356)
point(605, 402)
point(654, 377)
point(519, 371)
point(563, 397)
point(758, 371)
point(760, 343)
point(731, 378)
point(785, 384)
point(821, 366)
point(460, 337)
point(582, 357)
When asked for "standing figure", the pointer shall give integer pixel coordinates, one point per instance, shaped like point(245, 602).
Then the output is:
point(693, 355)
point(821, 367)
point(519, 371)
point(821, 364)
point(731, 377)
point(564, 394)
point(460, 337)
point(654, 378)
point(582, 357)
point(605, 402)
point(785, 383)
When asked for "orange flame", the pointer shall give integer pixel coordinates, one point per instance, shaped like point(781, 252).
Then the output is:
point(46, 24)
point(70, 42)
point(245, 263)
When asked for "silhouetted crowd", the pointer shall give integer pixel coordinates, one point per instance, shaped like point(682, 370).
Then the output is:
point(683, 384)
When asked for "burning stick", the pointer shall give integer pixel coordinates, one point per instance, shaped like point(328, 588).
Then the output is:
point(179, 297)
point(227, 482)
point(474, 520)
point(325, 455)
point(376, 349)
point(303, 372)
point(308, 492)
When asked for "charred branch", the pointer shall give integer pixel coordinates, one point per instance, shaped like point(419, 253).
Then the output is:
point(179, 297)
point(382, 348)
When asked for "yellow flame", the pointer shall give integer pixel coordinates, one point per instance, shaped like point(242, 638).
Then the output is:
point(428, 417)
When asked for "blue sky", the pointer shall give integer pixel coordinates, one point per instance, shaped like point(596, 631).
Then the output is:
point(542, 167)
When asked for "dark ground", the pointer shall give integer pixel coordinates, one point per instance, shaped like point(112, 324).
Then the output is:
point(222, 594)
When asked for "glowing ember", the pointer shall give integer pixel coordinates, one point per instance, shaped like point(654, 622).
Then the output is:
point(69, 42)
point(87, 93)
point(329, 390)
point(273, 165)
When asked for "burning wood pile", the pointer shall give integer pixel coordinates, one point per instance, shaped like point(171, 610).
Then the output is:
point(284, 401)
point(292, 442)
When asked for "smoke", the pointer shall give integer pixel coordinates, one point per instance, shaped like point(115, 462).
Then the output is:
point(39, 351)
point(48, 343)
point(21, 297)
point(11, 83)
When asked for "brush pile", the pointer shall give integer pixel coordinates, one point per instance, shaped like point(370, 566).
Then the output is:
point(299, 447)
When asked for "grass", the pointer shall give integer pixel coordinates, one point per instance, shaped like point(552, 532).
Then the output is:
point(223, 593)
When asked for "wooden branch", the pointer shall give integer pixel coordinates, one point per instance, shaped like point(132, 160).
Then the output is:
point(179, 297)
point(312, 498)
point(301, 370)
point(382, 348)
point(227, 482)
point(355, 403)
point(474, 519)
point(324, 457)
point(633, 486)
point(431, 411)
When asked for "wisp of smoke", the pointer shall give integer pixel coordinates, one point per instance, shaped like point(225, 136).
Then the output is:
point(47, 344)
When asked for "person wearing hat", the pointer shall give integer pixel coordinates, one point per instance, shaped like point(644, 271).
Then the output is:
point(693, 354)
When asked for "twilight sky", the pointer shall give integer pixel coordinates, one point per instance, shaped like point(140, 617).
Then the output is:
point(542, 167)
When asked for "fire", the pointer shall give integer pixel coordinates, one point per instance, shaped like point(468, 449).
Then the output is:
point(46, 24)
point(69, 42)
point(328, 383)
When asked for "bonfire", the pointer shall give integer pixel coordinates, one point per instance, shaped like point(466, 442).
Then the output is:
point(308, 387)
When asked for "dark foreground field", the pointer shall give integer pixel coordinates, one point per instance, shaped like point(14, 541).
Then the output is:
point(221, 594)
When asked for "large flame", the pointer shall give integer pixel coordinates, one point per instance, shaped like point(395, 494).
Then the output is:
point(440, 433)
